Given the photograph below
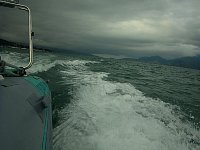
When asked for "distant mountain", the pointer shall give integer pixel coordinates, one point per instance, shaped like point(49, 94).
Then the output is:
point(71, 52)
point(155, 59)
point(187, 62)
point(14, 44)
point(6, 43)
point(21, 45)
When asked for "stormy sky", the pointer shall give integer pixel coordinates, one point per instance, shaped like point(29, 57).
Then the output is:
point(133, 28)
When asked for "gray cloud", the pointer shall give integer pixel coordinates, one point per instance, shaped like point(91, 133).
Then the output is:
point(169, 28)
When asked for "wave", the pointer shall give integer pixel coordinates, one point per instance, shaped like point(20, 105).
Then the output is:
point(113, 115)
point(42, 62)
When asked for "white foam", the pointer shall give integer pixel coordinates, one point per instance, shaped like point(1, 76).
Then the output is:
point(113, 116)
point(106, 115)
point(12, 57)
point(42, 61)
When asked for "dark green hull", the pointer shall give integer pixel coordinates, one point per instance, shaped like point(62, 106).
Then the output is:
point(25, 114)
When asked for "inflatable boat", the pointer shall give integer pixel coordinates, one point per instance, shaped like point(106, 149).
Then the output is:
point(25, 102)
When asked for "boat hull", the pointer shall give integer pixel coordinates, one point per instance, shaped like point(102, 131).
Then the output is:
point(25, 114)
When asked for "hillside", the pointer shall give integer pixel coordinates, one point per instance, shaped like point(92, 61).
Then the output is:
point(187, 62)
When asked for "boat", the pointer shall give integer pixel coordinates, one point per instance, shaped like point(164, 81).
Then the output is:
point(25, 102)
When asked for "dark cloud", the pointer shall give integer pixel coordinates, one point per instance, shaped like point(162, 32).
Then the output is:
point(169, 28)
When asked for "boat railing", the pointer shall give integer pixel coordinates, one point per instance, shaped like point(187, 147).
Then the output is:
point(15, 4)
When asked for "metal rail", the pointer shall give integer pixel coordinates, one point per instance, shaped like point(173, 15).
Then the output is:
point(13, 4)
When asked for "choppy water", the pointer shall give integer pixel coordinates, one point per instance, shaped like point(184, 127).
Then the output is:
point(106, 104)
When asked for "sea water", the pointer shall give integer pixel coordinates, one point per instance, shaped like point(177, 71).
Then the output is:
point(109, 104)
